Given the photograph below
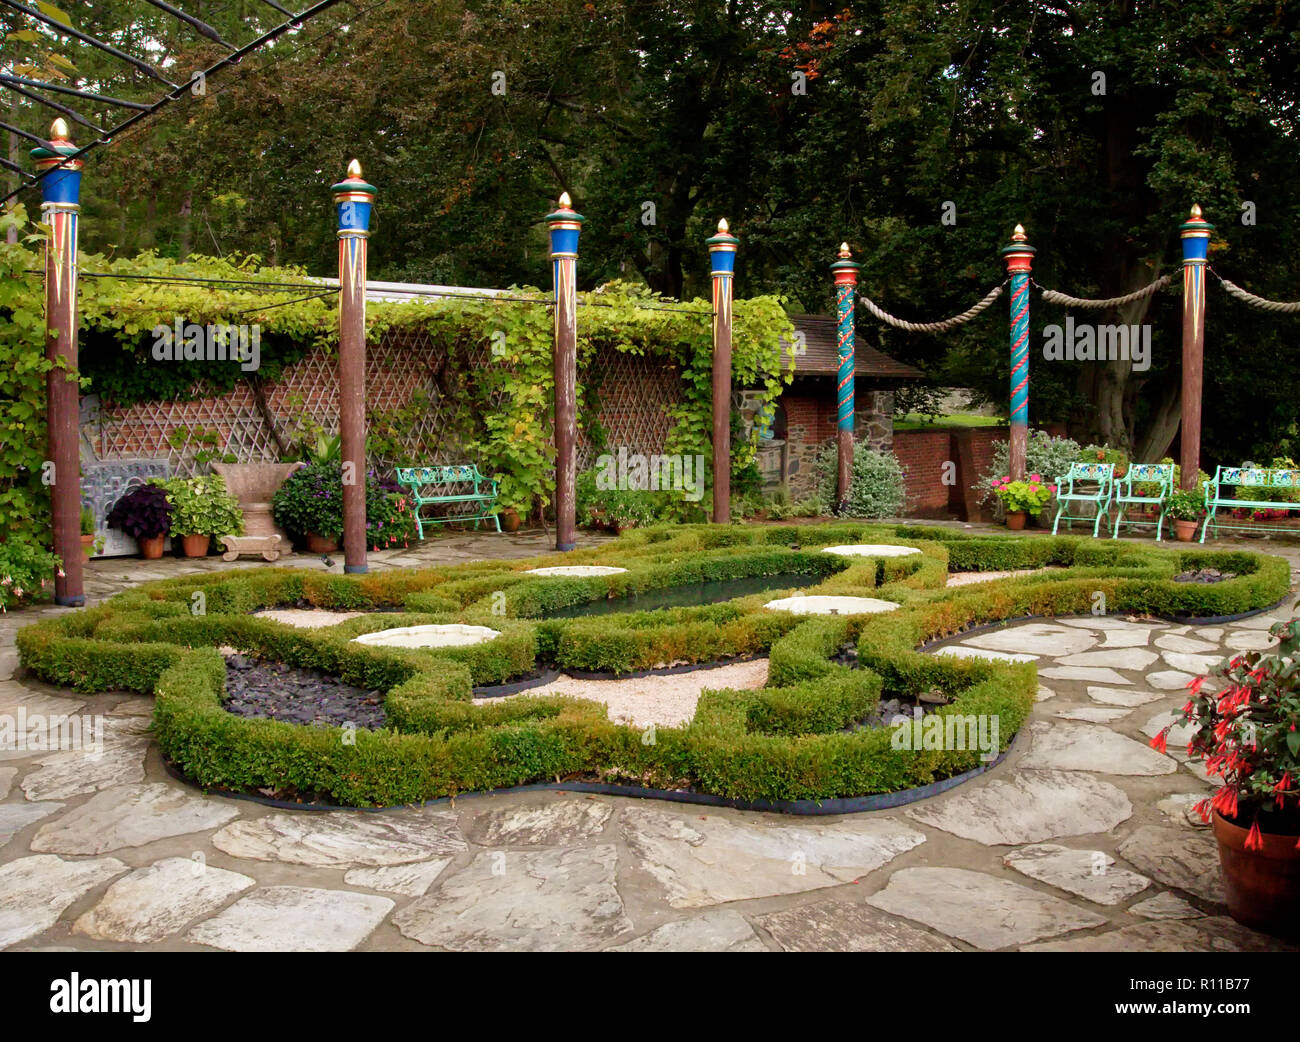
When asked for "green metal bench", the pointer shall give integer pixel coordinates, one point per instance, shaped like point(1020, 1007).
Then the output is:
point(1159, 474)
point(1100, 474)
point(461, 483)
point(1245, 477)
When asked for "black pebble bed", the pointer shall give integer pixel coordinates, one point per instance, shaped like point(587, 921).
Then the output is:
point(273, 690)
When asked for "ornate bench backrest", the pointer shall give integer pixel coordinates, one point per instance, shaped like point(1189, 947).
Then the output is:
point(452, 475)
point(1251, 477)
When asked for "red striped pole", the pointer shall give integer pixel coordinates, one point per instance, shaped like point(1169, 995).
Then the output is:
point(845, 271)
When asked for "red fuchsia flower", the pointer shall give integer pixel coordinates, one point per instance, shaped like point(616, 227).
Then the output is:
point(1158, 742)
point(1195, 685)
point(1283, 783)
point(1254, 838)
point(1202, 807)
point(1225, 802)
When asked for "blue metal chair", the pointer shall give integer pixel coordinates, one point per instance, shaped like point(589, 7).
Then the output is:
point(1159, 474)
point(1102, 475)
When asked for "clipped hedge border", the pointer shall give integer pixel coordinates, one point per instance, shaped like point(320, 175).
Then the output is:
point(777, 746)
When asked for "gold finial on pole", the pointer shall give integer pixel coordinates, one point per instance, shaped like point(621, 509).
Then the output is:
point(354, 168)
point(565, 201)
point(59, 130)
point(723, 226)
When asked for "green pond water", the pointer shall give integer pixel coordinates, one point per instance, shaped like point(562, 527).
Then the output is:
point(690, 595)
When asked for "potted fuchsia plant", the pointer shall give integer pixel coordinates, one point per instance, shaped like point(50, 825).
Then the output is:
point(1243, 717)
point(1020, 498)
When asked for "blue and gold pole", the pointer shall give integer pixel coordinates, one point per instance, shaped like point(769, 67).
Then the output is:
point(60, 207)
point(1196, 250)
point(1019, 259)
point(564, 227)
point(845, 271)
point(353, 199)
point(722, 256)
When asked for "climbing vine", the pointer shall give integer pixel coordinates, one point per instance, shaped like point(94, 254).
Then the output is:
point(498, 383)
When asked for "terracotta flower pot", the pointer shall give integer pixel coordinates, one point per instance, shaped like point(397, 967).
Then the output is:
point(509, 520)
point(321, 544)
point(151, 548)
point(1016, 520)
point(1185, 530)
point(88, 546)
point(195, 545)
point(1262, 886)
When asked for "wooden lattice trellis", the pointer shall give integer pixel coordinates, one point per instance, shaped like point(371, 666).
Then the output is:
point(415, 401)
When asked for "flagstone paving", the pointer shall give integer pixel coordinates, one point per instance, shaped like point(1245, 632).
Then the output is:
point(1081, 839)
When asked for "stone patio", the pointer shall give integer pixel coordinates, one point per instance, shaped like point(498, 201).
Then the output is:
point(1080, 840)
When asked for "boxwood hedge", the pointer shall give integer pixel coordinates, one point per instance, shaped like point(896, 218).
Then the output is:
point(789, 740)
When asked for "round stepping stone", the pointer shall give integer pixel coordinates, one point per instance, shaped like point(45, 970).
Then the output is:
point(825, 605)
point(576, 570)
point(442, 635)
point(871, 550)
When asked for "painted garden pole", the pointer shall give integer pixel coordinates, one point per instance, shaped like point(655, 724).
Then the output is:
point(846, 280)
point(1019, 259)
point(353, 198)
point(722, 256)
point(1196, 244)
point(565, 226)
point(60, 195)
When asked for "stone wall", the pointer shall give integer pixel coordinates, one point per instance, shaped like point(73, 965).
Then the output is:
point(810, 424)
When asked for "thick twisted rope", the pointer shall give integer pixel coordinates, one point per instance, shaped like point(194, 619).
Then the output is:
point(934, 327)
point(1052, 296)
point(1285, 307)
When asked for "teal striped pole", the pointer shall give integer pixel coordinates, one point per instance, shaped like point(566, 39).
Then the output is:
point(1019, 258)
point(846, 281)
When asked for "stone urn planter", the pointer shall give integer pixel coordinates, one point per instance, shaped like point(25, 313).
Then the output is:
point(253, 485)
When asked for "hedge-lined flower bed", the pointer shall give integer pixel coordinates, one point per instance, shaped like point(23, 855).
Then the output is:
point(783, 742)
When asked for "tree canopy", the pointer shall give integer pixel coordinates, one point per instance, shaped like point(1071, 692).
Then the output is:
point(1095, 124)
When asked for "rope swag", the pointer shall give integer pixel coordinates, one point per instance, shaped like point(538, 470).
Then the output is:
point(1284, 307)
point(1052, 296)
point(934, 327)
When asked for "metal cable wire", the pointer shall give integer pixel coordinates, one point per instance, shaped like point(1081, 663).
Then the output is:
point(935, 327)
point(1052, 296)
point(1285, 307)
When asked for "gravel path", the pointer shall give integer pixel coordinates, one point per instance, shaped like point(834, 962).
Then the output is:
point(667, 700)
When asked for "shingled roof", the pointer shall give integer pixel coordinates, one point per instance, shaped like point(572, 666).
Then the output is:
point(821, 353)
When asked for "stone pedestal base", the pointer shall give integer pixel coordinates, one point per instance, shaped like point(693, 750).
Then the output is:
point(266, 545)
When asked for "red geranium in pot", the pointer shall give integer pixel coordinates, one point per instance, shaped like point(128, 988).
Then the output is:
point(1244, 718)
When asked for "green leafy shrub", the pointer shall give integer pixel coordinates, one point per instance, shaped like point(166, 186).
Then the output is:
point(1183, 505)
point(791, 739)
point(1044, 454)
point(1029, 496)
point(876, 485)
point(203, 506)
point(25, 570)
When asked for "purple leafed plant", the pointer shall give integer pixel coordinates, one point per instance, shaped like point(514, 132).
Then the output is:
point(143, 513)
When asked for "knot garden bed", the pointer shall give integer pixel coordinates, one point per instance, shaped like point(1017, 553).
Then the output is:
point(782, 742)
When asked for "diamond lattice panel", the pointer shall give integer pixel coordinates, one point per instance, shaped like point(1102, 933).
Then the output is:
point(634, 395)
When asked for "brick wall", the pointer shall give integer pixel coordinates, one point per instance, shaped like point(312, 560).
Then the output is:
point(810, 417)
point(923, 455)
